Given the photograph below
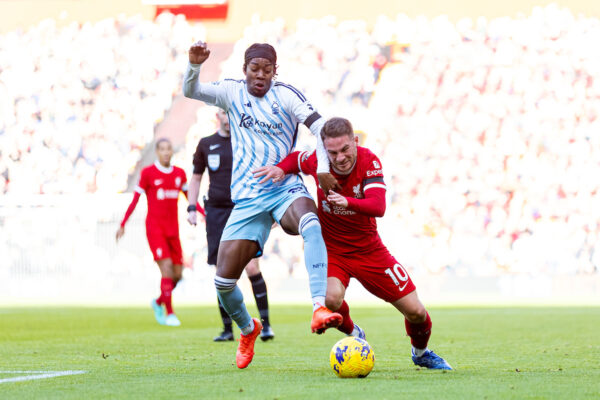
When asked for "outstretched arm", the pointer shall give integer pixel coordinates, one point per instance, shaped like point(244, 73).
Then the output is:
point(192, 87)
point(134, 201)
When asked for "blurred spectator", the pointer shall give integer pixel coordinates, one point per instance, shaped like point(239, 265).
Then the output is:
point(77, 104)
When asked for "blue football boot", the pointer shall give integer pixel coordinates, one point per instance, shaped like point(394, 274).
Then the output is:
point(430, 360)
point(358, 332)
point(159, 312)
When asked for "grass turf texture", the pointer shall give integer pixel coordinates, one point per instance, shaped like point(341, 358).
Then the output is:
point(498, 353)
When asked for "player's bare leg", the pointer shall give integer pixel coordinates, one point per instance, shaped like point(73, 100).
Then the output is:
point(232, 257)
point(335, 301)
point(177, 273)
point(259, 288)
point(418, 327)
point(301, 218)
point(167, 284)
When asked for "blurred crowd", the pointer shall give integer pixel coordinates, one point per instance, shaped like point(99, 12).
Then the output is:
point(78, 103)
point(494, 146)
point(488, 130)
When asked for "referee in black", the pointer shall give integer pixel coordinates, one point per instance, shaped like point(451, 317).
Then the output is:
point(215, 153)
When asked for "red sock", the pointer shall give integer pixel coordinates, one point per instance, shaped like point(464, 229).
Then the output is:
point(347, 325)
point(166, 287)
point(419, 333)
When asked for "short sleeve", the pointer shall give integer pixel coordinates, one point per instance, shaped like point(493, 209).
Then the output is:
point(300, 107)
point(199, 159)
point(143, 182)
point(307, 162)
point(184, 186)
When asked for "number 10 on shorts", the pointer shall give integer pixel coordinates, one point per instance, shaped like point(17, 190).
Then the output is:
point(398, 275)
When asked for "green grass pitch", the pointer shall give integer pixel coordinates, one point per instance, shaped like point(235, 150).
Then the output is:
point(497, 353)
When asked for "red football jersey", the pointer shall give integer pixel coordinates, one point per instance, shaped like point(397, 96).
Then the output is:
point(162, 186)
point(344, 230)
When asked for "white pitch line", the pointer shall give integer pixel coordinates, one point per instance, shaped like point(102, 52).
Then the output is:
point(37, 375)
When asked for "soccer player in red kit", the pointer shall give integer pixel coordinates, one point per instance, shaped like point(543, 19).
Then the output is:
point(162, 182)
point(354, 247)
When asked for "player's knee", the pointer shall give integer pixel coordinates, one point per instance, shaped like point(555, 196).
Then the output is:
point(309, 225)
point(333, 301)
point(224, 284)
point(416, 315)
point(252, 268)
point(177, 277)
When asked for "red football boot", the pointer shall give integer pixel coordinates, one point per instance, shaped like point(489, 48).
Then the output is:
point(324, 318)
point(245, 350)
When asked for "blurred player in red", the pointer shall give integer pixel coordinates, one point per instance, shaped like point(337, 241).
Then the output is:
point(354, 247)
point(162, 182)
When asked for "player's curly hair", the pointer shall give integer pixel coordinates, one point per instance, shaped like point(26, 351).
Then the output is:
point(336, 127)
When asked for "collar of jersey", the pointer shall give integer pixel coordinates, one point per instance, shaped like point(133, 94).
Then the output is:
point(163, 169)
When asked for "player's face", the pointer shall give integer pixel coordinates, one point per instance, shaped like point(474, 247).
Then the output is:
point(164, 152)
point(342, 152)
point(223, 122)
point(259, 74)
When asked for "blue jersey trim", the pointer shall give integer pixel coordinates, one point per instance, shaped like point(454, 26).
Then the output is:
point(293, 89)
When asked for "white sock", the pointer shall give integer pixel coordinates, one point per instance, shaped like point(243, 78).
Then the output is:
point(248, 330)
point(318, 301)
point(419, 352)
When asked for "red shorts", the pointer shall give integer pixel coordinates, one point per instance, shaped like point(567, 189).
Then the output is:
point(377, 271)
point(164, 246)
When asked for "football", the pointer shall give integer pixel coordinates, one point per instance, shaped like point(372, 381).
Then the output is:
point(352, 357)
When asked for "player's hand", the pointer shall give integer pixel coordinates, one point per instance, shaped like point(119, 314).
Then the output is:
point(328, 182)
point(198, 53)
point(269, 172)
point(120, 233)
point(337, 199)
point(192, 218)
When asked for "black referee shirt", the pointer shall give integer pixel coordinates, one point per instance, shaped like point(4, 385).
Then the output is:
point(214, 152)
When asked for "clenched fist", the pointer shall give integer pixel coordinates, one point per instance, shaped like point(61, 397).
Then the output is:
point(198, 53)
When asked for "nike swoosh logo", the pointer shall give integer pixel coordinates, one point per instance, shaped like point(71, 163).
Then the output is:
point(213, 146)
point(402, 288)
point(260, 295)
point(157, 181)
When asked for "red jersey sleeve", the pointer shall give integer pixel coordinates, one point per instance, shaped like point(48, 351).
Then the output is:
point(372, 205)
point(296, 162)
point(136, 197)
point(289, 165)
point(373, 186)
point(184, 185)
point(307, 162)
point(143, 182)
